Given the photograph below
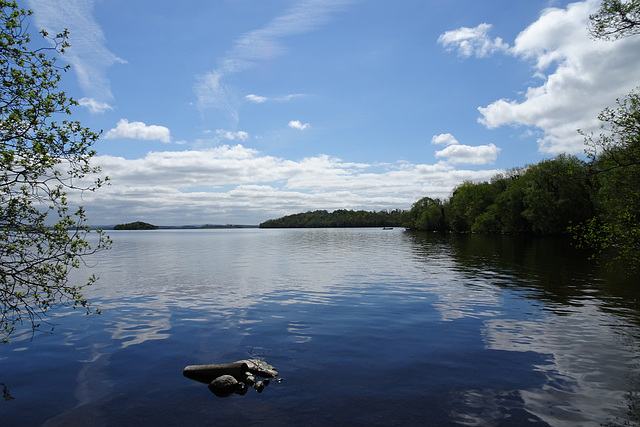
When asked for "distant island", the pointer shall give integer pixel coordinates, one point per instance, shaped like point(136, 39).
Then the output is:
point(137, 225)
point(206, 227)
point(140, 225)
point(339, 218)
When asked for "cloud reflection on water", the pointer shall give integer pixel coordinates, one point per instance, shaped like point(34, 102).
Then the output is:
point(224, 279)
point(586, 361)
point(587, 344)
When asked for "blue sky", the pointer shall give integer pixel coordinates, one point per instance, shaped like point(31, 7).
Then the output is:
point(238, 111)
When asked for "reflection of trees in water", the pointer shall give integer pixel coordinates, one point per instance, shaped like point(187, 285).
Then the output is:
point(584, 319)
point(5, 393)
point(548, 269)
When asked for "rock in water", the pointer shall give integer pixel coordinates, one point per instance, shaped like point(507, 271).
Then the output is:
point(224, 379)
point(260, 368)
point(207, 373)
point(224, 386)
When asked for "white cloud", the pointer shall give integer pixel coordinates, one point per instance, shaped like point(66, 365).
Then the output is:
point(261, 99)
point(232, 136)
point(444, 138)
point(94, 106)
point(256, 98)
point(455, 153)
point(258, 45)
point(139, 130)
point(236, 184)
point(478, 155)
point(581, 77)
point(88, 52)
point(297, 124)
point(472, 41)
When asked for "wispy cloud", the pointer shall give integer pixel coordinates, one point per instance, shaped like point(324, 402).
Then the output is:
point(139, 130)
point(232, 136)
point(473, 41)
point(297, 124)
point(257, 45)
point(88, 53)
point(257, 99)
point(95, 106)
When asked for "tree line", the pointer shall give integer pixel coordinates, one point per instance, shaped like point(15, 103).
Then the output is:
point(544, 199)
point(338, 218)
point(597, 200)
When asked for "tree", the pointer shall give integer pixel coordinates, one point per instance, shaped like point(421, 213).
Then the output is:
point(615, 169)
point(41, 237)
point(509, 204)
point(556, 195)
point(426, 214)
point(616, 19)
point(615, 153)
point(467, 203)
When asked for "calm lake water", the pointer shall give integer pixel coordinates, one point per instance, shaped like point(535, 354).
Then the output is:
point(365, 326)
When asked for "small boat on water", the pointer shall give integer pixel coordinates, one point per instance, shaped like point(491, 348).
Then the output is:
point(387, 228)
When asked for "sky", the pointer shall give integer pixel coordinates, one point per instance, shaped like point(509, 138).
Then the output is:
point(240, 111)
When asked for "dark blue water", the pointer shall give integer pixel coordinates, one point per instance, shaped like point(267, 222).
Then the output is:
point(366, 327)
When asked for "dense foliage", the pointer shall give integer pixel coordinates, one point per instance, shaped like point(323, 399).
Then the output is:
point(41, 238)
point(597, 201)
point(542, 199)
point(615, 170)
point(137, 225)
point(338, 218)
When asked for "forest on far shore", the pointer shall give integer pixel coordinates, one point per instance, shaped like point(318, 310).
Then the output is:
point(549, 198)
point(596, 200)
point(338, 218)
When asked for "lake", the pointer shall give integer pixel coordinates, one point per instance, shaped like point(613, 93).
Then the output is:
point(365, 326)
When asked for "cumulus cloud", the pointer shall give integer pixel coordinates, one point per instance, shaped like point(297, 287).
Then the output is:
point(88, 52)
point(444, 138)
point(472, 41)
point(139, 130)
point(257, 45)
point(580, 76)
point(473, 155)
point(456, 153)
point(297, 124)
point(236, 184)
